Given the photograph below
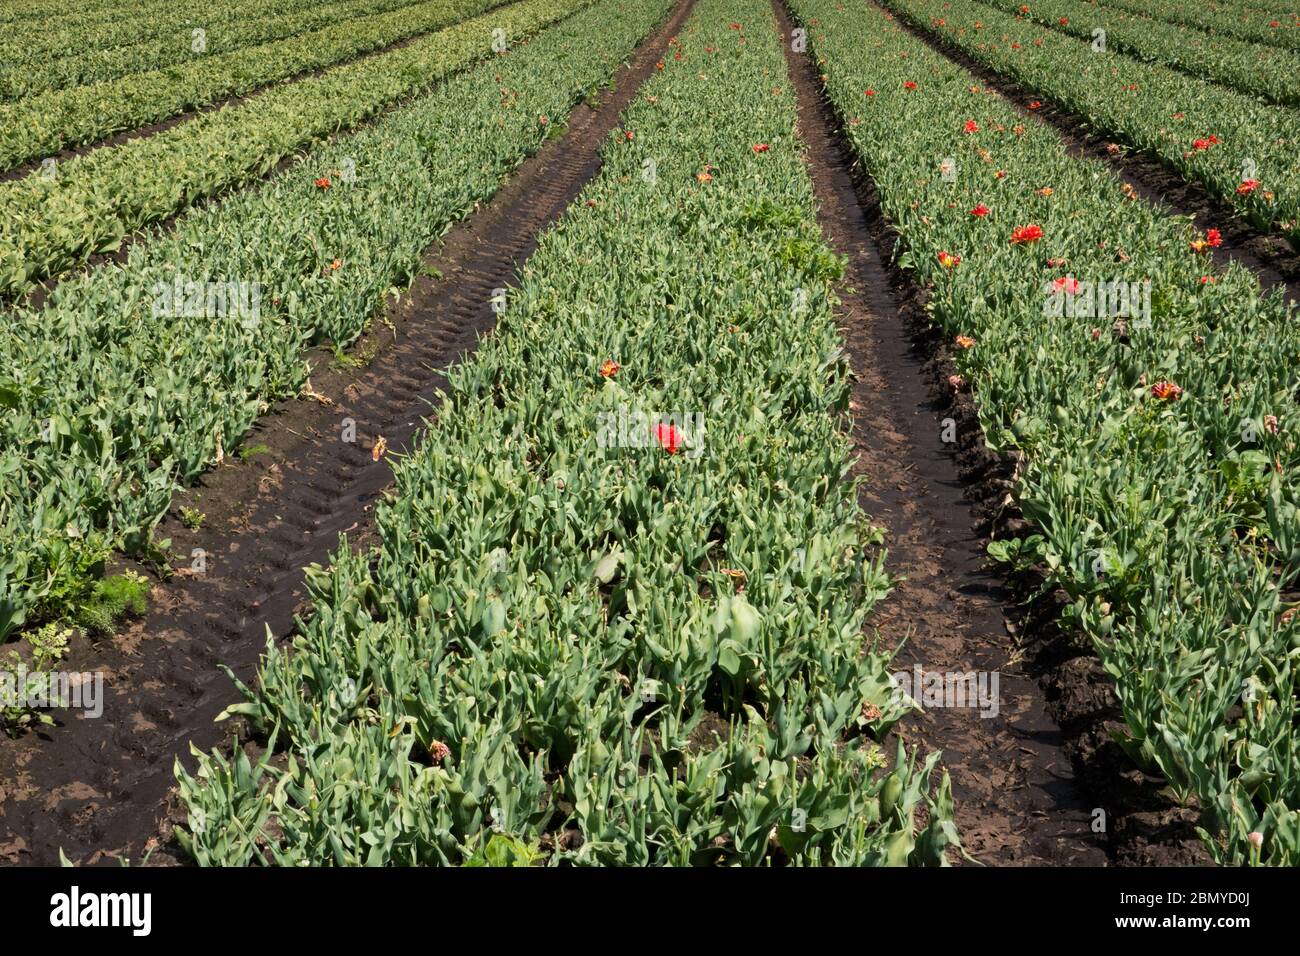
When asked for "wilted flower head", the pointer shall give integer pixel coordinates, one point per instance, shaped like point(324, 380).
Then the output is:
point(1213, 239)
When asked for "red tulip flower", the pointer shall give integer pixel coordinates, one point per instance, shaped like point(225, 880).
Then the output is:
point(1022, 235)
point(669, 437)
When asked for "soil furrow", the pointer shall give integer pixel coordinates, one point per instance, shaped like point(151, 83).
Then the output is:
point(100, 789)
point(900, 346)
point(1013, 783)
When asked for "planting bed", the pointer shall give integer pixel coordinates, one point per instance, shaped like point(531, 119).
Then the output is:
point(650, 433)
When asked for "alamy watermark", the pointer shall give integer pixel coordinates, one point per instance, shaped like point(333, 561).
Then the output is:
point(673, 432)
point(182, 298)
point(1073, 298)
point(42, 690)
point(976, 690)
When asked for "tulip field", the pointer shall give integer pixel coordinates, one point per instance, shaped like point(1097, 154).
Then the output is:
point(630, 594)
point(1167, 515)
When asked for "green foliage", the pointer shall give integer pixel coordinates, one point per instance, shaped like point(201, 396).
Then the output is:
point(550, 643)
point(41, 124)
point(110, 600)
point(1251, 23)
point(252, 451)
point(502, 850)
point(89, 457)
point(26, 679)
point(1169, 523)
point(1246, 66)
point(42, 55)
point(96, 200)
point(1146, 105)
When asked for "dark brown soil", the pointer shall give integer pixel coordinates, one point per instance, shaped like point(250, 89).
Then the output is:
point(1027, 782)
point(103, 789)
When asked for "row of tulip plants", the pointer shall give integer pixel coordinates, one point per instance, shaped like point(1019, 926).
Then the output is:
point(62, 29)
point(1243, 151)
point(136, 376)
point(41, 125)
point(35, 71)
point(24, 10)
point(1252, 68)
point(93, 202)
point(1275, 27)
point(1158, 432)
point(612, 646)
